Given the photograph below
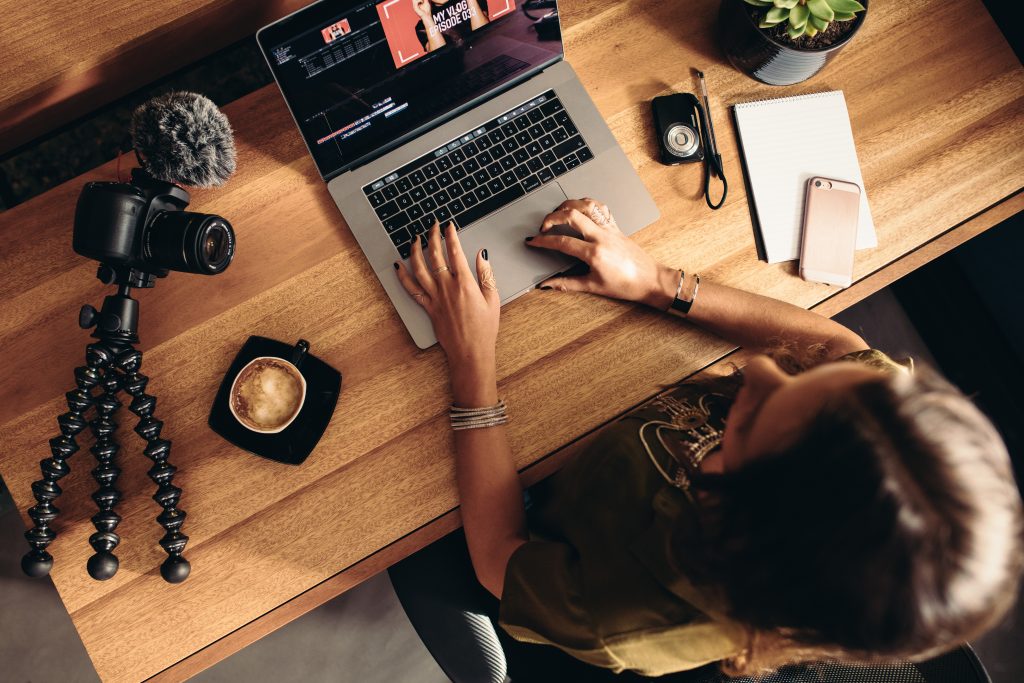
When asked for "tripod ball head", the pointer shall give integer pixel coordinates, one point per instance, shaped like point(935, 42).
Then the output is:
point(117, 321)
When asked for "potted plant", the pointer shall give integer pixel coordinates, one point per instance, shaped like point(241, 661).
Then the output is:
point(781, 42)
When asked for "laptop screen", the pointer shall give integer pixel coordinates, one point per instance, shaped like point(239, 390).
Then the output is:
point(361, 75)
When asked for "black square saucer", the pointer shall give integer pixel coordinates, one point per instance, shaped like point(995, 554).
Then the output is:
point(295, 442)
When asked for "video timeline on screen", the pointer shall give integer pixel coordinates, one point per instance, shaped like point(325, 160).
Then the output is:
point(411, 29)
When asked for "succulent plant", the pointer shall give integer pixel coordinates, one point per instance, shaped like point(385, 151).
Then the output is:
point(806, 17)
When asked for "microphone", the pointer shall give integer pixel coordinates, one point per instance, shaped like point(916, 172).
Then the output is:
point(184, 139)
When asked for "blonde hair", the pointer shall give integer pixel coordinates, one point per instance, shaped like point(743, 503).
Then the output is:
point(915, 544)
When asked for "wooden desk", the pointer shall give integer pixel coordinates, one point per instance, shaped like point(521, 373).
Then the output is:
point(937, 112)
point(60, 60)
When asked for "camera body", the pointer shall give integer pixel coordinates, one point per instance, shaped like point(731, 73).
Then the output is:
point(143, 225)
point(677, 122)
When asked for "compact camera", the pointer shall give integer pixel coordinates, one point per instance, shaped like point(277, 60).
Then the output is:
point(143, 225)
point(677, 121)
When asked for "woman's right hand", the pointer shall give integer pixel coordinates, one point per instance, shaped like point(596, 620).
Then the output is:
point(619, 268)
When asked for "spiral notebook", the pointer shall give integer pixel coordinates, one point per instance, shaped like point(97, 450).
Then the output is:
point(785, 142)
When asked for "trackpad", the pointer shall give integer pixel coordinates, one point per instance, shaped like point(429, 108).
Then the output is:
point(503, 234)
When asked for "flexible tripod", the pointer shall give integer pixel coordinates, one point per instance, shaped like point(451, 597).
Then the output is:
point(112, 365)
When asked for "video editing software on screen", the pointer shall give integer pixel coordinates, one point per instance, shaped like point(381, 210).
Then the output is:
point(358, 78)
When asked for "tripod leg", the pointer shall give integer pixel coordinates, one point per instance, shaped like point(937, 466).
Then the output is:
point(103, 564)
point(175, 568)
point(37, 562)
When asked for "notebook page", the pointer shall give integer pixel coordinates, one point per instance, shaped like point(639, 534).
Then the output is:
point(785, 142)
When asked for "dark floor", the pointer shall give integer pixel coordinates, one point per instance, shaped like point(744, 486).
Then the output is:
point(962, 314)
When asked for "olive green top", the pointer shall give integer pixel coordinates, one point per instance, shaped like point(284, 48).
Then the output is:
point(597, 578)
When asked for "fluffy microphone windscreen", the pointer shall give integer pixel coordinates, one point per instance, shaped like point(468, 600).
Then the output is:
point(183, 138)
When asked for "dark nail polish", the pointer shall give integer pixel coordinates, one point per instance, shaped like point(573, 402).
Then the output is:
point(396, 265)
point(540, 286)
point(529, 239)
point(484, 254)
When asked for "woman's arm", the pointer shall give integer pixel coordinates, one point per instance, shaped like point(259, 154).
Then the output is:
point(465, 318)
point(620, 269)
point(489, 491)
point(751, 320)
point(476, 17)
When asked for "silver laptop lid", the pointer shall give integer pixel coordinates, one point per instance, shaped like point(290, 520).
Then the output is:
point(361, 78)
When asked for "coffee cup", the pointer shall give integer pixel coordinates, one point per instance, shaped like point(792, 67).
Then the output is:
point(269, 392)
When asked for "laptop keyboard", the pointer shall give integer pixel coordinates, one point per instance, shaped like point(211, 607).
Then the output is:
point(479, 172)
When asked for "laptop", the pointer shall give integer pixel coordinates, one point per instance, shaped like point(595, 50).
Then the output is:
point(448, 110)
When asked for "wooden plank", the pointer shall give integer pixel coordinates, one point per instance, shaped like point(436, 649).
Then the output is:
point(59, 61)
point(263, 533)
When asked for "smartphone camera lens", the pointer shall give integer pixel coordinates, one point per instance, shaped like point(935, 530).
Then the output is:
point(817, 183)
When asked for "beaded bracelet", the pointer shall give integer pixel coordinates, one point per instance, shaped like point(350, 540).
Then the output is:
point(478, 418)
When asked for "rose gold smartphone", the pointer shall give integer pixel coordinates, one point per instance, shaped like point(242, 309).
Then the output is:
point(831, 211)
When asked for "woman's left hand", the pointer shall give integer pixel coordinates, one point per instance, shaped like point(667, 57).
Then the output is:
point(464, 313)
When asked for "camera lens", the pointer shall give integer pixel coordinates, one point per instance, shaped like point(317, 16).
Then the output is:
point(189, 242)
point(817, 183)
point(681, 140)
point(216, 245)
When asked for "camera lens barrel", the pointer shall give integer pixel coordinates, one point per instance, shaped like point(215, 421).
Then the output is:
point(189, 242)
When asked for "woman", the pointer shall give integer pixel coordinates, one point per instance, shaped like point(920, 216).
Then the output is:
point(825, 502)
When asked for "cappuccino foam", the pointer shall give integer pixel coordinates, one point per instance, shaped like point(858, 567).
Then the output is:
point(268, 394)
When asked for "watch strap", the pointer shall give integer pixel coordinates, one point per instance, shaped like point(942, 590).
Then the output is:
point(681, 307)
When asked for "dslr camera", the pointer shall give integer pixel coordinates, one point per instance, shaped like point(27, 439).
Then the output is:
point(143, 226)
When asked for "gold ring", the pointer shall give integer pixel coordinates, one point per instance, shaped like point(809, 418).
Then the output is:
point(487, 282)
point(419, 294)
point(437, 271)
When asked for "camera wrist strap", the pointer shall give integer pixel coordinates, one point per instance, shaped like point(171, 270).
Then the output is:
point(712, 162)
